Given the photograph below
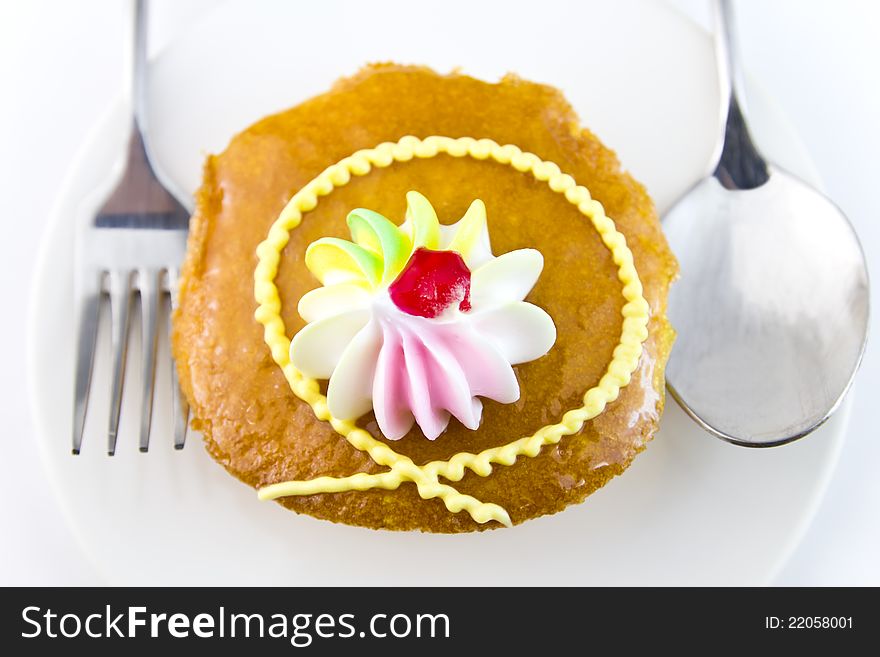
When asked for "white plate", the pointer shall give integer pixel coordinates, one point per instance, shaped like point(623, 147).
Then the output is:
point(691, 510)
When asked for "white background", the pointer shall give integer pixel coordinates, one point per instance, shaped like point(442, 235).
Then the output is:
point(59, 69)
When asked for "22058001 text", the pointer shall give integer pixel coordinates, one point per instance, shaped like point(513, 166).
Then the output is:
point(808, 622)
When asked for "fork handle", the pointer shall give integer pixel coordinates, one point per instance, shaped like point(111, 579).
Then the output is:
point(136, 71)
point(135, 63)
point(135, 83)
point(138, 66)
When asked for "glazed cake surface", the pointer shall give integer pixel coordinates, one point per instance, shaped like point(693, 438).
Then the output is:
point(263, 434)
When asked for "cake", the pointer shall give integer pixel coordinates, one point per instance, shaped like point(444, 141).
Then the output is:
point(423, 302)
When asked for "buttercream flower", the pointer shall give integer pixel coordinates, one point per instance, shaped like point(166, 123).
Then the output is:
point(416, 322)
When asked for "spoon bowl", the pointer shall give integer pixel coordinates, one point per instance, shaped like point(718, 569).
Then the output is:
point(771, 309)
point(772, 306)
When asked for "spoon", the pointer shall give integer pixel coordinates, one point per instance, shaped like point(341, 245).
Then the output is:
point(772, 306)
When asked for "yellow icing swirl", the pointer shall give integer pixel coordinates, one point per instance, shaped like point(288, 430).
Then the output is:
point(401, 468)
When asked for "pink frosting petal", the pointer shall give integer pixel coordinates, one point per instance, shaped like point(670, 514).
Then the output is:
point(391, 387)
point(487, 371)
point(424, 381)
point(449, 387)
point(427, 372)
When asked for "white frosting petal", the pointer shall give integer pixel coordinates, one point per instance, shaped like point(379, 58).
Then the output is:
point(316, 349)
point(350, 391)
point(509, 277)
point(520, 330)
point(323, 302)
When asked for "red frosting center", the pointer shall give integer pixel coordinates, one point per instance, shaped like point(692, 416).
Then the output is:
point(432, 281)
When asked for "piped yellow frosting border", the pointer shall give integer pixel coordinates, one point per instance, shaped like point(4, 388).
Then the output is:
point(401, 468)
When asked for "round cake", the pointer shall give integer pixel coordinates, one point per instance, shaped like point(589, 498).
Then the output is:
point(423, 302)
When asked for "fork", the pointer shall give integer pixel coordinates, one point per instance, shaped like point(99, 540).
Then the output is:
point(132, 248)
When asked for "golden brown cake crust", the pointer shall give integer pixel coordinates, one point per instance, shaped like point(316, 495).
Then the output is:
point(255, 426)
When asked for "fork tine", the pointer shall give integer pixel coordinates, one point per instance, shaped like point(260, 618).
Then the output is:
point(120, 304)
point(148, 281)
point(179, 405)
point(88, 296)
point(180, 408)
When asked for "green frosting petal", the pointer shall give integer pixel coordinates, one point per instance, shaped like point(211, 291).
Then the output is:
point(374, 232)
point(335, 260)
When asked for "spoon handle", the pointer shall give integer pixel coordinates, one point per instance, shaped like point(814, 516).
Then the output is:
point(739, 164)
